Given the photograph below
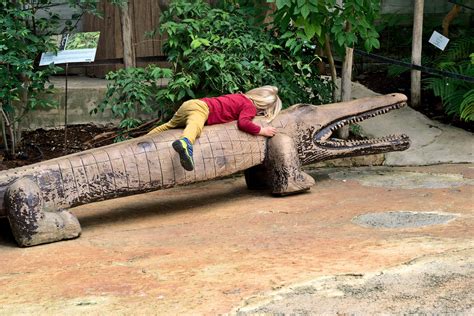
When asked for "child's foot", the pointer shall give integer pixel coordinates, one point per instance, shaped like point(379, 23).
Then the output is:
point(185, 150)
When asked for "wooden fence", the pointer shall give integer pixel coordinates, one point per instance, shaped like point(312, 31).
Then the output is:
point(145, 15)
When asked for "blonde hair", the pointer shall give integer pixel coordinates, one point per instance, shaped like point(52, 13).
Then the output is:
point(266, 98)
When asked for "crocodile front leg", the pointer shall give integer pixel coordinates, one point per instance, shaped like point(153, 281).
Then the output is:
point(284, 167)
point(31, 224)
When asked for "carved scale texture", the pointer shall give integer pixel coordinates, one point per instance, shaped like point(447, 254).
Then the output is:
point(291, 124)
point(143, 164)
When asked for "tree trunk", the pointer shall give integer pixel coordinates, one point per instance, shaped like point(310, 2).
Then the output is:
point(416, 53)
point(332, 66)
point(4, 130)
point(320, 63)
point(346, 86)
point(163, 5)
point(449, 18)
point(8, 124)
point(271, 8)
point(346, 81)
point(127, 36)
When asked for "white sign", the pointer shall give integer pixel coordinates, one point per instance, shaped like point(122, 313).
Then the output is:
point(72, 48)
point(439, 40)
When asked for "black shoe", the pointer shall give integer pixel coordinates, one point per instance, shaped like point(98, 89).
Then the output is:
point(185, 150)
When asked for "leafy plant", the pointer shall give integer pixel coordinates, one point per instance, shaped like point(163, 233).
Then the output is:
point(215, 51)
point(226, 52)
point(326, 23)
point(24, 35)
point(398, 45)
point(83, 40)
point(133, 91)
point(457, 95)
point(397, 70)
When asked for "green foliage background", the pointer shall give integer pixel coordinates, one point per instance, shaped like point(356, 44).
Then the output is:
point(346, 25)
point(457, 95)
point(222, 50)
point(24, 35)
point(83, 40)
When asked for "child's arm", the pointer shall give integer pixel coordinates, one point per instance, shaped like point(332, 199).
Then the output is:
point(245, 123)
point(268, 131)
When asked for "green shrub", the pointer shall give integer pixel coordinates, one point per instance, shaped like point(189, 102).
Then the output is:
point(215, 51)
point(457, 95)
point(21, 81)
point(131, 92)
point(226, 53)
point(24, 35)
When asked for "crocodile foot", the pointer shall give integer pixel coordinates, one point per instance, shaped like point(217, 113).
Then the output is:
point(285, 166)
point(31, 224)
point(298, 182)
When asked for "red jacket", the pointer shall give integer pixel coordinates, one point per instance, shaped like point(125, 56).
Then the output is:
point(232, 107)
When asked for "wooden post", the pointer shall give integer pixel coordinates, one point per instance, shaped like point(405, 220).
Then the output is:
point(416, 52)
point(346, 82)
point(332, 66)
point(346, 86)
point(127, 36)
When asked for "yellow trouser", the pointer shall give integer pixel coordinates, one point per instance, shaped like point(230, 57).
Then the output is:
point(192, 114)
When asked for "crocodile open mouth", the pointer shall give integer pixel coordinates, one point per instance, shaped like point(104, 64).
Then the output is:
point(323, 137)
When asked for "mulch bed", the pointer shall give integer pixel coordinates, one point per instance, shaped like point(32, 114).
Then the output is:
point(41, 144)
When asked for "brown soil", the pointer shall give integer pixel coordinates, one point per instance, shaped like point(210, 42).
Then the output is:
point(44, 144)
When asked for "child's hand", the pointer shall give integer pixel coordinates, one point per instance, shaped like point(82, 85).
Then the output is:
point(268, 131)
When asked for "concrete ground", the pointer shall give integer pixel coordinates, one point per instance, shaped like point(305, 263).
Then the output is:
point(215, 247)
point(368, 240)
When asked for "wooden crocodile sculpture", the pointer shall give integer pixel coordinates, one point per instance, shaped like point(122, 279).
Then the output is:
point(36, 198)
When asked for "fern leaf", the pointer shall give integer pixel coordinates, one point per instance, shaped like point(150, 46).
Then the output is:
point(467, 106)
point(459, 49)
